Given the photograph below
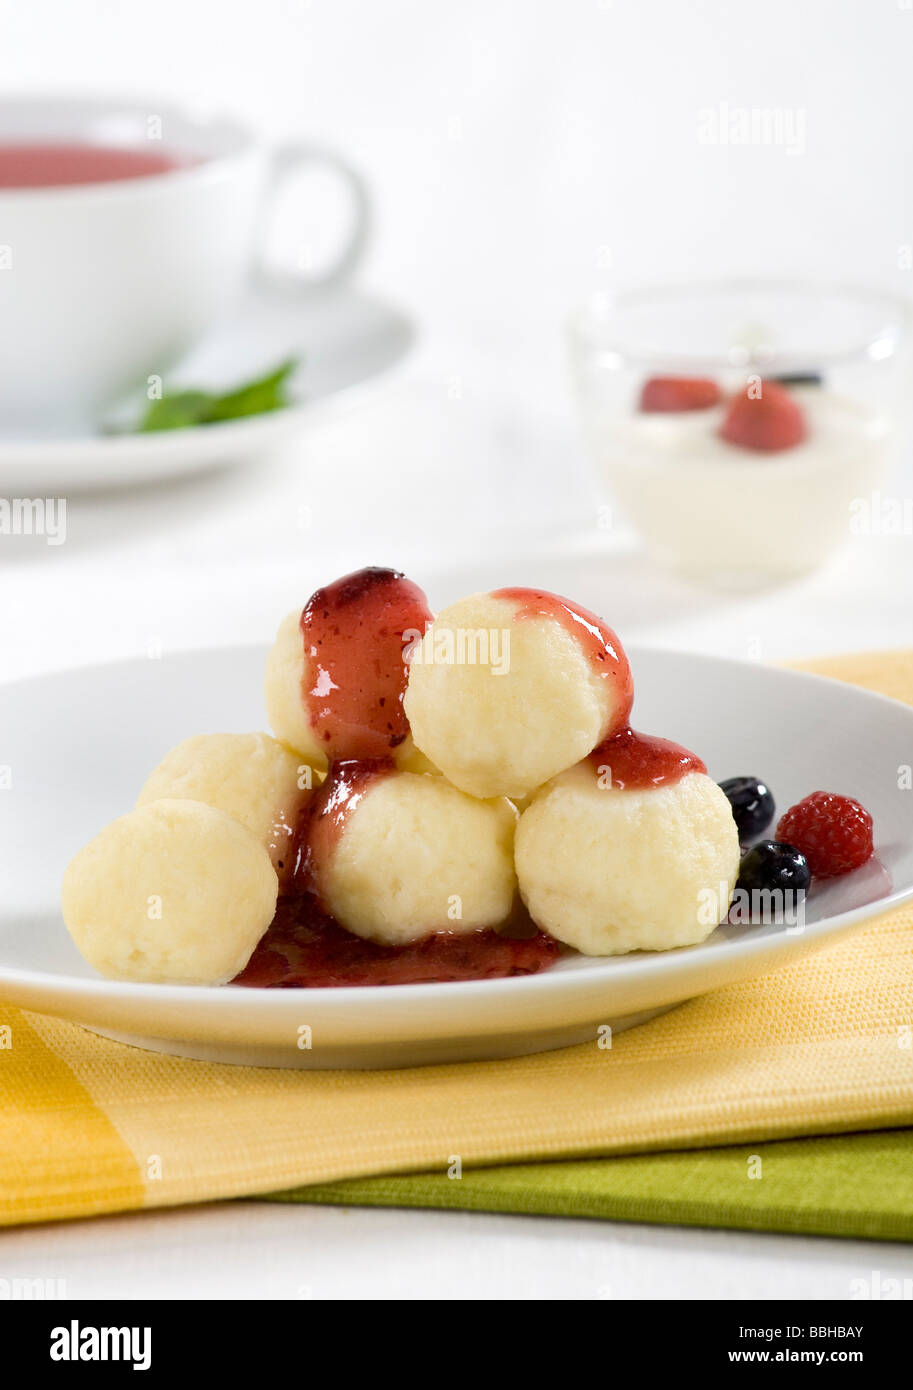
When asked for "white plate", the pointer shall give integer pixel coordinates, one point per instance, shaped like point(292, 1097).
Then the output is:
point(81, 743)
point(343, 337)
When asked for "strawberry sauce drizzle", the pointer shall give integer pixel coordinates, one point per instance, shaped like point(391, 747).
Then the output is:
point(306, 948)
point(600, 645)
point(323, 817)
point(640, 761)
point(353, 633)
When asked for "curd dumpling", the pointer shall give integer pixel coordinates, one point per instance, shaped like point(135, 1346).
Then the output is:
point(508, 689)
point(409, 855)
point(252, 777)
point(176, 892)
point(609, 870)
point(285, 710)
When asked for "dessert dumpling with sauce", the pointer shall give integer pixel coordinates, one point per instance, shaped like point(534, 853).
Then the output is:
point(396, 856)
point(336, 673)
point(633, 849)
point(509, 688)
point(356, 848)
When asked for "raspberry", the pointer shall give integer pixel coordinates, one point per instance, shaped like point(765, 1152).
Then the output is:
point(767, 421)
point(668, 393)
point(833, 832)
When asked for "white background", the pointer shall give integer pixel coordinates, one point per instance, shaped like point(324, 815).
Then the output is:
point(522, 154)
point(511, 144)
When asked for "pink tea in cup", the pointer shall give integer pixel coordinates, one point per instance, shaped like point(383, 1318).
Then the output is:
point(57, 165)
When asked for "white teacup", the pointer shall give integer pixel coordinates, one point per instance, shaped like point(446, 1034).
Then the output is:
point(106, 282)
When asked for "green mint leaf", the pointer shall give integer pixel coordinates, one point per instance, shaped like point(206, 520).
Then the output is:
point(185, 409)
point(177, 412)
point(256, 397)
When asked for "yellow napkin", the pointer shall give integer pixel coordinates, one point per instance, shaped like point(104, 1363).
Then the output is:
point(93, 1126)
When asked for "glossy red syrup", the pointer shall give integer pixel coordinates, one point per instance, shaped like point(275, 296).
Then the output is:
point(601, 647)
point(354, 643)
point(323, 817)
point(306, 948)
point(61, 165)
point(639, 761)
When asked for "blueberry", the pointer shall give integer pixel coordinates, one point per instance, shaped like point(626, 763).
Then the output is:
point(807, 378)
point(772, 864)
point(752, 805)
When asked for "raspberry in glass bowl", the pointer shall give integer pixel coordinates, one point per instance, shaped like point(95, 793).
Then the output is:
point(737, 422)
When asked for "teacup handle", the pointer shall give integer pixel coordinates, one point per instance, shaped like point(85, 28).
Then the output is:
point(294, 156)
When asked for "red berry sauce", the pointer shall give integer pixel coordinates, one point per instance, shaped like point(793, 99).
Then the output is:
point(640, 761)
point(304, 947)
point(601, 647)
point(356, 672)
point(323, 817)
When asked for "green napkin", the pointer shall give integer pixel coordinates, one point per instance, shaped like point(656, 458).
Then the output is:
point(849, 1185)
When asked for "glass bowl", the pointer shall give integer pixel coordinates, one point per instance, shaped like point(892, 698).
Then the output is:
point(769, 420)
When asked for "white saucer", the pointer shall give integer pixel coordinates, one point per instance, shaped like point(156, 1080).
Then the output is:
point(81, 743)
point(343, 337)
